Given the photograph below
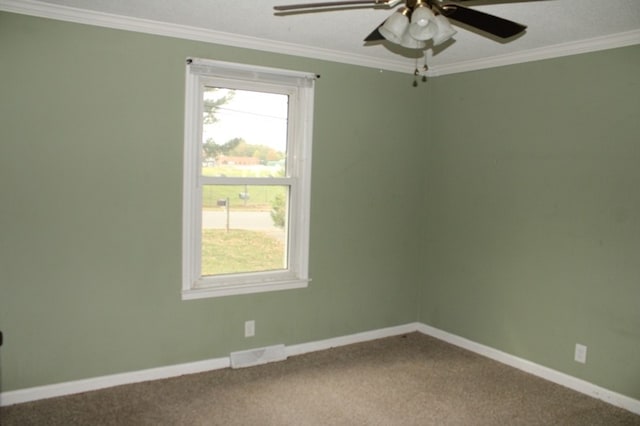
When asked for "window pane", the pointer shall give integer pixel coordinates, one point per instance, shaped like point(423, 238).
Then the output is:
point(244, 228)
point(244, 133)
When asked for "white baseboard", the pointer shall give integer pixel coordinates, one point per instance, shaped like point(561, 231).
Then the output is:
point(366, 336)
point(77, 386)
point(95, 383)
point(546, 373)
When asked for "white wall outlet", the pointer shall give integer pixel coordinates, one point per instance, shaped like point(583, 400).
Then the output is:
point(580, 354)
point(249, 328)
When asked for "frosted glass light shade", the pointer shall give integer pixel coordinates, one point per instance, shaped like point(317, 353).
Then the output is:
point(421, 16)
point(394, 27)
point(423, 25)
point(423, 33)
point(445, 30)
point(412, 43)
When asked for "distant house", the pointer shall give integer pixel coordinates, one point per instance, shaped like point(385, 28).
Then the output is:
point(238, 161)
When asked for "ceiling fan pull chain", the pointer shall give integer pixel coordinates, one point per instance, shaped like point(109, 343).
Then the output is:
point(420, 72)
point(425, 68)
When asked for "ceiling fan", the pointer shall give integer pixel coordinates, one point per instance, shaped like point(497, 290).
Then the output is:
point(419, 24)
point(421, 18)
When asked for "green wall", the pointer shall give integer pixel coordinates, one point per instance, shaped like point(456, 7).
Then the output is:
point(533, 204)
point(512, 220)
point(91, 128)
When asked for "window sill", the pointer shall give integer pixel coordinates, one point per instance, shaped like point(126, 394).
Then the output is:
point(249, 288)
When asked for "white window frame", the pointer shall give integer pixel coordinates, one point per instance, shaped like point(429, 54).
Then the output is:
point(299, 86)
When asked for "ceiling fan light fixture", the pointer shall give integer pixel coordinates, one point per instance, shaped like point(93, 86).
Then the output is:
point(395, 26)
point(444, 30)
point(422, 15)
point(411, 42)
point(423, 23)
point(423, 33)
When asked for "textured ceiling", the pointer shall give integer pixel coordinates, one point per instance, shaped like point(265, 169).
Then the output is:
point(553, 25)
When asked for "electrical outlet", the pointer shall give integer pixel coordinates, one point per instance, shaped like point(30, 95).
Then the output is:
point(249, 328)
point(580, 354)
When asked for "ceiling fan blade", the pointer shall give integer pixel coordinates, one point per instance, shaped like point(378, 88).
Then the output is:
point(483, 21)
point(483, 2)
point(328, 4)
point(375, 34)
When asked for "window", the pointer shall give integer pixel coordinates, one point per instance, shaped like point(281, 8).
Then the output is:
point(247, 173)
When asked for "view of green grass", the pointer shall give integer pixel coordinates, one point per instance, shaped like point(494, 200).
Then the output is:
point(238, 250)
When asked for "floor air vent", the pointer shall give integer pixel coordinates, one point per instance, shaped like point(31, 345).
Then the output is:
point(257, 356)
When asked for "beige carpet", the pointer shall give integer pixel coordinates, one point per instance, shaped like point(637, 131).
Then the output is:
point(405, 380)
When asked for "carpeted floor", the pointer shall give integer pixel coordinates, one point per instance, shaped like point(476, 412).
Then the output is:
point(404, 380)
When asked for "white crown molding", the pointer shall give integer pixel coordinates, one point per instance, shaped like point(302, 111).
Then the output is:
point(108, 20)
point(559, 50)
point(404, 65)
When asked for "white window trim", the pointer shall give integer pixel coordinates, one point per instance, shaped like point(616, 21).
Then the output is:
point(300, 87)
